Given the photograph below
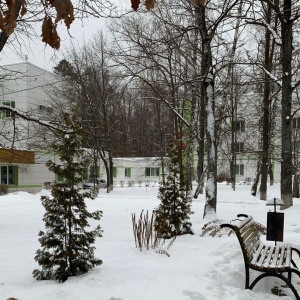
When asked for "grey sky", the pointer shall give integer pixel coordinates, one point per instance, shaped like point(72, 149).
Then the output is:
point(43, 56)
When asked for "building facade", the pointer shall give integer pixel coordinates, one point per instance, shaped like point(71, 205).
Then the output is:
point(23, 87)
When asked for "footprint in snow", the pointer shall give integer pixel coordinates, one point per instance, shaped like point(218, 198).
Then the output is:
point(194, 295)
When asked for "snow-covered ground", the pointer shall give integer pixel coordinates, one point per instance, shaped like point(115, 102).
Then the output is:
point(199, 268)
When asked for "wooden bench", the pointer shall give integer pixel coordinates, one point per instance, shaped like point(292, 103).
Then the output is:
point(270, 260)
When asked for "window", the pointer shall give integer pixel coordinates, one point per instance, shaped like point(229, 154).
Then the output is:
point(239, 169)
point(7, 114)
point(45, 108)
point(94, 172)
point(296, 146)
point(9, 174)
point(296, 123)
point(58, 178)
point(127, 172)
point(151, 172)
point(239, 147)
point(239, 125)
point(114, 172)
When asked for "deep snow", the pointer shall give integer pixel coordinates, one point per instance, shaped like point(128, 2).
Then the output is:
point(199, 268)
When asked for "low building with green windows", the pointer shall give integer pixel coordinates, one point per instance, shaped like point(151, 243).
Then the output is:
point(23, 170)
point(135, 170)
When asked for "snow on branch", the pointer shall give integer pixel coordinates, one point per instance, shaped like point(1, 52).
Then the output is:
point(263, 23)
point(275, 79)
point(23, 115)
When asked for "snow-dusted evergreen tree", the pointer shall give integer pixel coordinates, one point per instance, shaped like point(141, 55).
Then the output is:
point(66, 245)
point(172, 216)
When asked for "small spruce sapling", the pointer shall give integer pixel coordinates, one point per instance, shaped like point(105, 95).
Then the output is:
point(66, 245)
point(173, 213)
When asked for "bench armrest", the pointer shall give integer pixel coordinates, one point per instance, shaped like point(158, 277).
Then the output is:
point(227, 225)
point(296, 250)
point(242, 215)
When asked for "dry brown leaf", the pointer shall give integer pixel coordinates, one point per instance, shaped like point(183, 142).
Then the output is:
point(149, 4)
point(135, 4)
point(49, 33)
point(196, 2)
point(64, 11)
point(10, 16)
point(1, 21)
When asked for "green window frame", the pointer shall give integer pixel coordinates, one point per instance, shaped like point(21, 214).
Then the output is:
point(152, 171)
point(9, 175)
point(59, 178)
point(8, 114)
point(239, 169)
point(114, 172)
point(128, 172)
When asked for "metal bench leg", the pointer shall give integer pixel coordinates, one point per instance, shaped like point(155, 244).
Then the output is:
point(247, 277)
point(286, 280)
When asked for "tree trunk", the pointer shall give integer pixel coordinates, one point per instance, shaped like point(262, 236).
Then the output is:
point(111, 173)
point(211, 184)
point(266, 112)
point(3, 34)
point(271, 173)
point(286, 103)
point(296, 186)
point(256, 177)
point(208, 91)
point(233, 102)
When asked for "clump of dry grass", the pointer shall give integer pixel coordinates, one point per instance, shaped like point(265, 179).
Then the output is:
point(145, 235)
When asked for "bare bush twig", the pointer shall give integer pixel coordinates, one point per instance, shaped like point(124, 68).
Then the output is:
point(146, 236)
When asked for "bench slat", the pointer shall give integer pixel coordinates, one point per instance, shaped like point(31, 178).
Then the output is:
point(282, 257)
point(270, 256)
point(243, 227)
point(257, 253)
point(255, 246)
point(251, 241)
point(289, 256)
point(245, 222)
point(274, 261)
point(263, 255)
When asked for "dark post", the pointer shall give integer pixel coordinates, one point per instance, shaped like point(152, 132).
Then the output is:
point(275, 222)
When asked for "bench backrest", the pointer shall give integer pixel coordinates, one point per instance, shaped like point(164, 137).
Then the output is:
point(249, 237)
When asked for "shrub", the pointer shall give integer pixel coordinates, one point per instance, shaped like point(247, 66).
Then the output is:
point(3, 189)
point(223, 176)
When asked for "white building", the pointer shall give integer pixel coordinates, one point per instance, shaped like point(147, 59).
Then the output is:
point(135, 170)
point(24, 87)
point(248, 144)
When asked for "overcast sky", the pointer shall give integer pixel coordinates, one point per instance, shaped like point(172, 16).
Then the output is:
point(45, 57)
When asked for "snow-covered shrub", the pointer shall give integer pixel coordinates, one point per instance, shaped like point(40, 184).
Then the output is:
point(173, 213)
point(66, 245)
